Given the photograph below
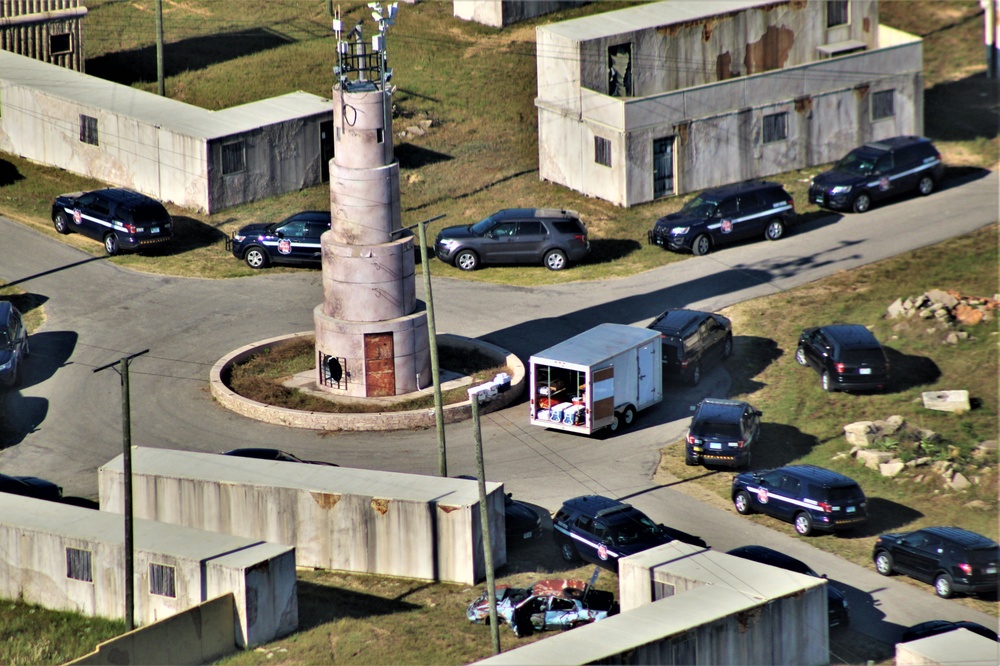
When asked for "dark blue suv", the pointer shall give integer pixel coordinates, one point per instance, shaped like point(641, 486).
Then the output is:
point(600, 530)
point(812, 498)
point(125, 221)
point(294, 240)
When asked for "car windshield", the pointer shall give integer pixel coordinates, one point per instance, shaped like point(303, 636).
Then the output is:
point(700, 207)
point(857, 164)
point(634, 528)
point(480, 228)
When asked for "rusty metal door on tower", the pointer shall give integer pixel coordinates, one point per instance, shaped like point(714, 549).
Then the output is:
point(380, 368)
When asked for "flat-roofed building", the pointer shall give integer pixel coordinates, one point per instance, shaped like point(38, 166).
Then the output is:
point(46, 30)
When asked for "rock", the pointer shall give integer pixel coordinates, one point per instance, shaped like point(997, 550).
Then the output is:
point(942, 467)
point(942, 297)
point(926, 314)
point(427, 123)
point(918, 479)
point(942, 314)
point(946, 401)
point(872, 459)
point(959, 482)
point(967, 315)
point(892, 424)
point(928, 436)
point(860, 433)
point(977, 504)
point(985, 448)
point(951, 338)
point(891, 468)
point(895, 309)
point(416, 130)
point(841, 456)
point(920, 462)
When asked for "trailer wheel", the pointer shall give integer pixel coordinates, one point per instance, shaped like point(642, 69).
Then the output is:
point(616, 423)
point(629, 415)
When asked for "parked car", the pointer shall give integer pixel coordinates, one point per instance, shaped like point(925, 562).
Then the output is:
point(726, 214)
point(722, 432)
point(837, 609)
point(952, 558)
point(13, 344)
point(600, 530)
point(548, 236)
point(548, 604)
point(935, 627)
point(846, 356)
point(812, 498)
point(125, 221)
point(294, 240)
point(274, 454)
point(30, 486)
point(691, 340)
point(876, 171)
point(521, 522)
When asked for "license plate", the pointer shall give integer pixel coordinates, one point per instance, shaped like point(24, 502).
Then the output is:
point(850, 509)
point(154, 230)
point(865, 371)
point(528, 535)
point(991, 570)
point(715, 445)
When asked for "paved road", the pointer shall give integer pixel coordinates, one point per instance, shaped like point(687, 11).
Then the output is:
point(66, 418)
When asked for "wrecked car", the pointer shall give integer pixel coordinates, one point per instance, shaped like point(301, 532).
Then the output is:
point(548, 604)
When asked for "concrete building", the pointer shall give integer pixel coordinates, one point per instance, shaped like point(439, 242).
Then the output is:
point(687, 605)
point(172, 151)
point(671, 97)
point(500, 13)
point(336, 517)
point(954, 647)
point(46, 30)
point(70, 558)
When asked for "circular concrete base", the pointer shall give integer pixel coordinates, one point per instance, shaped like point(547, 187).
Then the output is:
point(420, 418)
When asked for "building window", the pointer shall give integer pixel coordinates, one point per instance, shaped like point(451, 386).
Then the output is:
point(78, 565)
point(59, 44)
point(234, 157)
point(837, 12)
point(88, 129)
point(620, 70)
point(883, 105)
point(602, 151)
point(161, 580)
point(775, 127)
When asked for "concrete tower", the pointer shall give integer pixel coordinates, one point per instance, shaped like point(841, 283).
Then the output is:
point(371, 332)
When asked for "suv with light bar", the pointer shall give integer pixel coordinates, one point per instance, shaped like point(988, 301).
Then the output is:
point(125, 221)
point(812, 498)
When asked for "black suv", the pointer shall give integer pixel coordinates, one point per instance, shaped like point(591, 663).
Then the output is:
point(877, 171)
point(294, 240)
point(124, 220)
point(722, 432)
point(600, 530)
point(13, 344)
point(727, 214)
point(835, 599)
point(516, 236)
point(846, 356)
point(810, 497)
point(953, 559)
point(691, 339)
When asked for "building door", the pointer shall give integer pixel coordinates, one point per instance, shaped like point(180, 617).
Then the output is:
point(325, 148)
point(380, 369)
point(663, 167)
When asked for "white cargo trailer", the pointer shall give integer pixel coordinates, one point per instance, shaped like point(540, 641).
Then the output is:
point(599, 378)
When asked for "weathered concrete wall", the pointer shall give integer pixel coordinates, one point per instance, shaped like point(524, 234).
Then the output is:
point(336, 518)
point(498, 13)
point(954, 647)
point(32, 29)
point(198, 635)
point(35, 536)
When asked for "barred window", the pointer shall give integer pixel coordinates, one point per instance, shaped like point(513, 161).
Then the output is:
point(602, 151)
point(883, 104)
point(836, 12)
point(234, 157)
point(775, 127)
point(78, 565)
point(61, 43)
point(88, 129)
point(161, 580)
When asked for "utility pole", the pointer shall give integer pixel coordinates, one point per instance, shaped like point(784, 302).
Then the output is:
point(159, 48)
point(122, 371)
point(484, 519)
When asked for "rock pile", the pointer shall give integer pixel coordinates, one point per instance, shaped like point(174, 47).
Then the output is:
point(946, 306)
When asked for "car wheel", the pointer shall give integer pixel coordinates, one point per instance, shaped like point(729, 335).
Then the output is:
point(925, 186)
point(803, 523)
point(628, 416)
point(826, 382)
point(701, 245)
point(862, 203)
point(742, 503)
point(60, 223)
point(555, 260)
point(616, 423)
point(800, 356)
point(568, 552)
point(775, 230)
point(255, 258)
point(467, 260)
point(943, 586)
point(111, 245)
point(690, 462)
point(727, 347)
point(883, 563)
point(694, 377)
